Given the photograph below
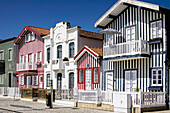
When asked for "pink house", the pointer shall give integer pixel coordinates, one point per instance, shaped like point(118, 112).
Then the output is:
point(30, 67)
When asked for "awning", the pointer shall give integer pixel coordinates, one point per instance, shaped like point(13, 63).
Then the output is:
point(109, 31)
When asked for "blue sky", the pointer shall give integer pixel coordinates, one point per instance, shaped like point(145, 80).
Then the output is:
point(15, 14)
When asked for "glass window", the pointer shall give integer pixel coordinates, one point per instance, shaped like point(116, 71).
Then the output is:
point(39, 56)
point(33, 36)
point(48, 55)
point(48, 80)
point(130, 33)
point(30, 58)
point(156, 77)
point(22, 80)
point(156, 29)
point(10, 54)
point(1, 55)
point(59, 51)
point(95, 75)
point(71, 50)
point(35, 80)
point(81, 76)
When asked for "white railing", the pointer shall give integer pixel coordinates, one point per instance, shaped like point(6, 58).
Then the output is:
point(148, 99)
point(127, 48)
point(10, 91)
point(26, 66)
point(136, 99)
point(58, 64)
point(61, 94)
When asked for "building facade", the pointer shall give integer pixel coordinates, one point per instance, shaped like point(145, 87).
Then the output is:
point(8, 58)
point(135, 47)
point(30, 67)
point(89, 69)
point(60, 47)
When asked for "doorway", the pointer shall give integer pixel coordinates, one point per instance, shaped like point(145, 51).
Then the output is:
point(71, 80)
point(109, 81)
point(130, 80)
point(88, 79)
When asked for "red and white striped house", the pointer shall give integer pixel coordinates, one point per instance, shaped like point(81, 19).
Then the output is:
point(89, 68)
point(30, 67)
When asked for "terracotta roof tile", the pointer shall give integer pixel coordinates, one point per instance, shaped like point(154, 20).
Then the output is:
point(89, 34)
point(99, 51)
point(43, 31)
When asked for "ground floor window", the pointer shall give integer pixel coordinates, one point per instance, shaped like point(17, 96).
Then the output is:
point(35, 80)
point(59, 81)
point(48, 80)
point(21, 80)
point(95, 75)
point(81, 76)
point(156, 77)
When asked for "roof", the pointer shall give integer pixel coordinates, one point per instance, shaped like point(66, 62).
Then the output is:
point(96, 52)
point(6, 40)
point(89, 34)
point(119, 6)
point(37, 30)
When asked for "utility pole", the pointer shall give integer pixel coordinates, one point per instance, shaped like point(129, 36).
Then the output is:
point(51, 46)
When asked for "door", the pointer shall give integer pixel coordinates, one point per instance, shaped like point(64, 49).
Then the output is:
point(10, 80)
point(59, 81)
point(71, 80)
point(40, 81)
point(109, 81)
point(130, 80)
point(28, 81)
point(88, 79)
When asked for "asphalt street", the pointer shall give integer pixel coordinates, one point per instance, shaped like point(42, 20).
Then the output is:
point(20, 106)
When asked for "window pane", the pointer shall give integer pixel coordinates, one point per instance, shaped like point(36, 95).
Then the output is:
point(95, 75)
point(154, 72)
point(159, 76)
point(159, 72)
point(71, 50)
point(159, 26)
point(159, 81)
point(153, 25)
point(81, 75)
point(59, 51)
point(154, 77)
point(154, 81)
point(48, 55)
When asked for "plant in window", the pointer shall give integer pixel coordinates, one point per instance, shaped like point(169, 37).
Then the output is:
point(137, 90)
point(65, 59)
point(115, 89)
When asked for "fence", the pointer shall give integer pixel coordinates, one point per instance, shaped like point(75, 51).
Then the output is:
point(61, 94)
point(10, 91)
point(137, 99)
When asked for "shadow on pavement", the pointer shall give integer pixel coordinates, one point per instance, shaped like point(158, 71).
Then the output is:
point(20, 106)
point(10, 110)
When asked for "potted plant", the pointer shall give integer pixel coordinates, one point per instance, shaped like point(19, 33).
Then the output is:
point(137, 90)
point(65, 59)
point(115, 89)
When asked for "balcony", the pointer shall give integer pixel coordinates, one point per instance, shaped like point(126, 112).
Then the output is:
point(138, 47)
point(58, 64)
point(26, 67)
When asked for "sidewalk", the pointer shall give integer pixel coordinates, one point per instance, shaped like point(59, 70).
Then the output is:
point(165, 111)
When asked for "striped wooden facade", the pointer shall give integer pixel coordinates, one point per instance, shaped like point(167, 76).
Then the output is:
point(88, 60)
point(141, 18)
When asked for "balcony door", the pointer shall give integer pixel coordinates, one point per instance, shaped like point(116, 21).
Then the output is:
point(88, 79)
point(59, 81)
point(130, 80)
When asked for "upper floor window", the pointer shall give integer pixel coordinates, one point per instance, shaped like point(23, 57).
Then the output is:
point(59, 51)
point(71, 50)
point(130, 33)
point(1, 55)
point(30, 58)
point(30, 36)
point(10, 54)
point(39, 56)
point(156, 77)
point(21, 59)
point(156, 29)
point(109, 40)
point(48, 55)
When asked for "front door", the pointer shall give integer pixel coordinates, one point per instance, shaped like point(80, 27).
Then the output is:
point(130, 80)
point(59, 80)
point(71, 80)
point(88, 79)
point(109, 81)
point(28, 81)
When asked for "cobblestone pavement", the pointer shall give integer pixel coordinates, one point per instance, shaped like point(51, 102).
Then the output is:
point(18, 106)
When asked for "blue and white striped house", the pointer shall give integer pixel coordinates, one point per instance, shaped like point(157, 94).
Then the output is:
point(135, 47)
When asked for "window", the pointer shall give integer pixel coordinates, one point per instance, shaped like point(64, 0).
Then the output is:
point(10, 54)
point(156, 29)
point(156, 77)
point(71, 50)
point(109, 40)
point(32, 36)
point(39, 56)
point(48, 80)
point(1, 55)
point(21, 59)
point(130, 33)
point(35, 80)
point(59, 51)
point(95, 75)
point(30, 58)
point(48, 55)
point(21, 80)
point(81, 76)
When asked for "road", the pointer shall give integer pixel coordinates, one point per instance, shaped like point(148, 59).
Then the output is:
point(19, 106)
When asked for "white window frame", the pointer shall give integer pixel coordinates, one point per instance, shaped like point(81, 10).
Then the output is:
point(2, 54)
point(131, 33)
point(158, 31)
point(39, 57)
point(95, 76)
point(81, 76)
point(35, 80)
point(21, 80)
point(10, 56)
point(157, 79)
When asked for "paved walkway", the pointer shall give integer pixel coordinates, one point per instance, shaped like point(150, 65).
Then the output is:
point(8, 105)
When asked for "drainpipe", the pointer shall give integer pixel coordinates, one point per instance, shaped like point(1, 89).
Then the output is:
point(51, 46)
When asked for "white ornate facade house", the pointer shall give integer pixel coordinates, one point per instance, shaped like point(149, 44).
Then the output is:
point(62, 45)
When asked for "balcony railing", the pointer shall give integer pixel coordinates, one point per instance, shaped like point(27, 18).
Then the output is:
point(127, 48)
point(26, 66)
point(58, 64)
